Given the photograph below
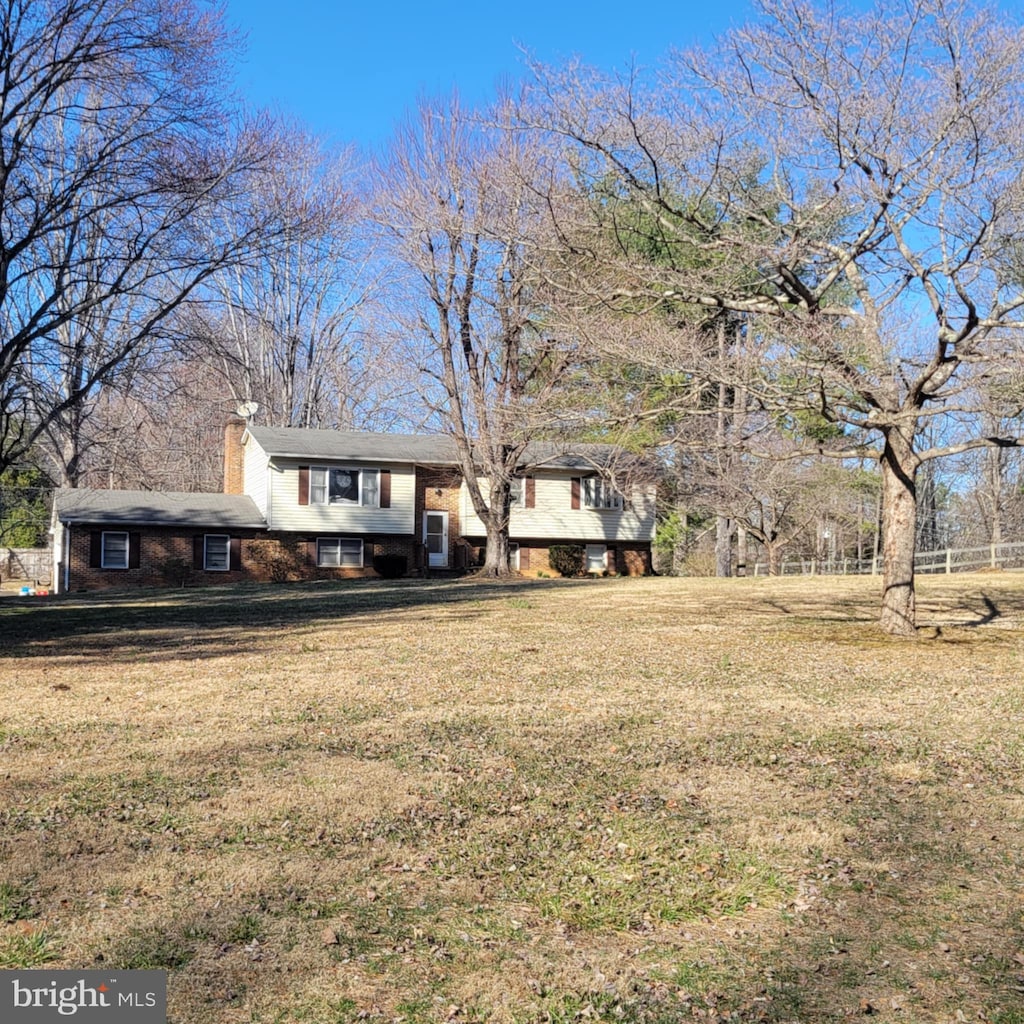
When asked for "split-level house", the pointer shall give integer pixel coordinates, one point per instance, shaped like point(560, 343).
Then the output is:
point(322, 504)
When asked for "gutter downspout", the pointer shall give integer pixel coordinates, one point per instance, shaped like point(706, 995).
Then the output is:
point(269, 494)
point(66, 555)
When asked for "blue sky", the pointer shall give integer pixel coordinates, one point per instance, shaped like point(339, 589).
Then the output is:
point(351, 68)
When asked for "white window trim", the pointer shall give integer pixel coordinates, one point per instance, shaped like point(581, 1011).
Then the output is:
point(518, 501)
point(611, 499)
point(104, 564)
point(321, 564)
point(513, 555)
point(207, 537)
point(359, 471)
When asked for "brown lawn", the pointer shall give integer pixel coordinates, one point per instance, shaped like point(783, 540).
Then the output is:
point(625, 800)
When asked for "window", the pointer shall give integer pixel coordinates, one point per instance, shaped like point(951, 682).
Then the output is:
point(513, 555)
point(217, 552)
point(369, 480)
point(114, 551)
point(599, 493)
point(344, 486)
point(517, 492)
point(339, 551)
point(596, 558)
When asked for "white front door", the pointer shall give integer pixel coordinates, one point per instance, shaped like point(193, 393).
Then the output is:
point(435, 537)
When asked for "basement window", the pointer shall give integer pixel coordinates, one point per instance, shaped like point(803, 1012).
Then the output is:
point(597, 558)
point(343, 552)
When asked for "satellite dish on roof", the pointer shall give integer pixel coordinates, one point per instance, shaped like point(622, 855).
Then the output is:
point(247, 409)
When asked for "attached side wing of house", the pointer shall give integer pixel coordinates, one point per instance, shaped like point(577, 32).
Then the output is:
point(567, 496)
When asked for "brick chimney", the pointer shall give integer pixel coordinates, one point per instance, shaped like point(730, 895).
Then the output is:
point(234, 456)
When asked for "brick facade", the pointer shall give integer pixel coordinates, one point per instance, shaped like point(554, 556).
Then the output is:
point(286, 557)
point(166, 559)
point(234, 457)
point(624, 559)
point(438, 490)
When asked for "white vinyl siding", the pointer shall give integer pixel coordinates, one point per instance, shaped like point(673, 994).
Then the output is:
point(554, 517)
point(255, 469)
point(286, 513)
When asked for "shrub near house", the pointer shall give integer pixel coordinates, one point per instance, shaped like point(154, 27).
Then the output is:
point(567, 559)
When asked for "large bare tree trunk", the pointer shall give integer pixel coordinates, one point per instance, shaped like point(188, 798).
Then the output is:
point(723, 546)
point(994, 466)
point(494, 511)
point(723, 527)
point(496, 559)
point(899, 521)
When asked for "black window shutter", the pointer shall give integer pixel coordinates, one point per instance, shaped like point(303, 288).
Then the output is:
point(236, 554)
point(198, 551)
point(134, 550)
point(385, 488)
point(96, 549)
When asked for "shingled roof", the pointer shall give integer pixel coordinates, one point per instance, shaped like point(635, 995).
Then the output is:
point(157, 508)
point(424, 450)
point(303, 443)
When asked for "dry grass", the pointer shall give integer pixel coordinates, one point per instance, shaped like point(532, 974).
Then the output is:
point(624, 800)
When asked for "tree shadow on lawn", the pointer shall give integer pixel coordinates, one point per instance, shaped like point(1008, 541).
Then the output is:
point(224, 620)
point(227, 620)
point(944, 608)
point(914, 919)
point(911, 912)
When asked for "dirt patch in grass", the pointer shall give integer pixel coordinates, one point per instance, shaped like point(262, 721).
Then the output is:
point(623, 800)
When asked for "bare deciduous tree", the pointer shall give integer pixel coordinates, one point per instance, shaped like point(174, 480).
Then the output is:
point(459, 201)
point(287, 328)
point(160, 428)
point(851, 182)
point(116, 151)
